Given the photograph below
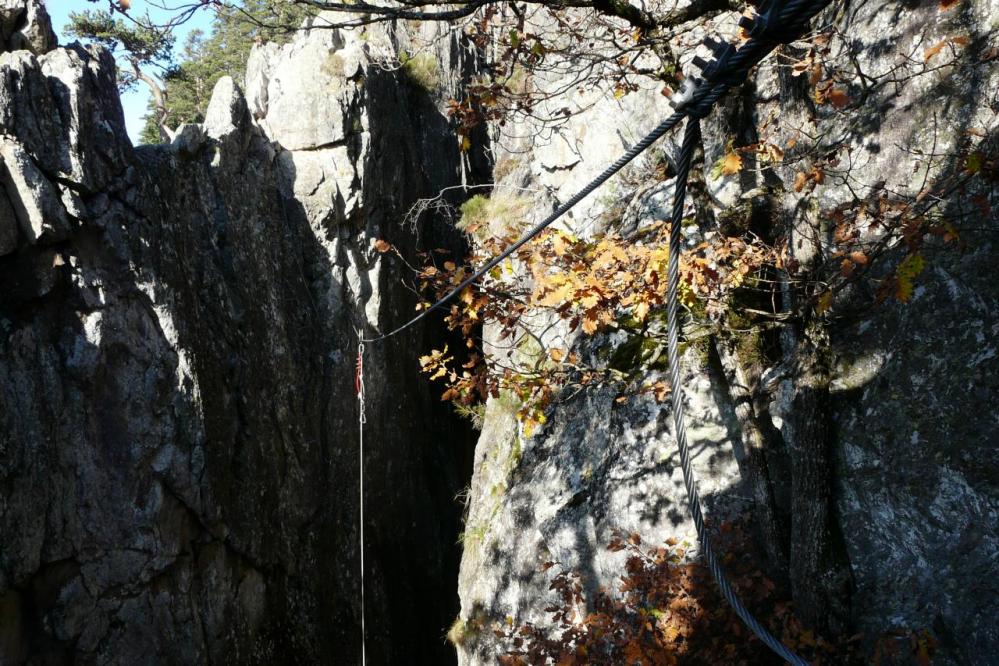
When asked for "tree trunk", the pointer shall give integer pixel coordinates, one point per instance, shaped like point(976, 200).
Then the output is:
point(743, 381)
point(819, 569)
point(159, 102)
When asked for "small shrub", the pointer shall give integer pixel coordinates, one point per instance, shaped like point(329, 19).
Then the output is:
point(475, 413)
point(422, 69)
point(495, 216)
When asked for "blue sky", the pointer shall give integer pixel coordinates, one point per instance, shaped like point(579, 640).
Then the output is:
point(133, 102)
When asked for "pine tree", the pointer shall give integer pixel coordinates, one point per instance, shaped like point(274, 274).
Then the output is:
point(205, 59)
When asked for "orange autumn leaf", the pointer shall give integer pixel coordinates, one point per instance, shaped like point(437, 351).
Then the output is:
point(641, 310)
point(947, 4)
point(731, 164)
point(382, 246)
point(559, 244)
point(933, 50)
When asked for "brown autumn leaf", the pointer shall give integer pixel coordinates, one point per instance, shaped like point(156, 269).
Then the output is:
point(799, 181)
point(858, 258)
point(846, 268)
point(947, 4)
point(838, 97)
point(731, 164)
point(825, 302)
point(933, 50)
point(590, 321)
point(382, 246)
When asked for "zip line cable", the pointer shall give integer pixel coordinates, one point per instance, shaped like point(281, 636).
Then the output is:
point(776, 22)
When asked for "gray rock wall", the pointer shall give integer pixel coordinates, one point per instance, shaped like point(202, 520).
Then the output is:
point(914, 430)
point(178, 422)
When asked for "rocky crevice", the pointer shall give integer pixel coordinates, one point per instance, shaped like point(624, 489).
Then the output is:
point(178, 424)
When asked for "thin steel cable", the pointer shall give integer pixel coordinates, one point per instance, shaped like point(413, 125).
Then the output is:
point(361, 420)
point(691, 137)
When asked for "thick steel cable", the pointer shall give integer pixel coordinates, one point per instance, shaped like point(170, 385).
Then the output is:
point(691, 137)
point(631, 154)
point(795, 15)
point(791, 21)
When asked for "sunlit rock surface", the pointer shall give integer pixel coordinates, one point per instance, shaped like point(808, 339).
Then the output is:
point(914, 388)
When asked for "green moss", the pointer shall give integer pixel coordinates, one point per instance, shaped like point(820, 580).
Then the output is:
point(422, 69)
point(505, 165)
point(749, 341)
point(702, 349)
point(473, 535)
point(334, 66)
point(516, 453)
point(495, 216)
point(464, 630)
point(634, 352)
point(735, 220)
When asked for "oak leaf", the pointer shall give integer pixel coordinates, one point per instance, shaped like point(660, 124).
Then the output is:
point(799, 181)
point(731, 164)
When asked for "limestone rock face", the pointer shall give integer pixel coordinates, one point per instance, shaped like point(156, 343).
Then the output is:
point(178, 419)
point(913, 438)
point(25, 25)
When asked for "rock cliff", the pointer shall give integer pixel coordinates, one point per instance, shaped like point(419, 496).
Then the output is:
point(911, 434)
point(178, 421)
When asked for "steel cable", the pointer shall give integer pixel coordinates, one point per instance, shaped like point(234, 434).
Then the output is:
point(691, 137)
point(790, 22)
point(794, 16)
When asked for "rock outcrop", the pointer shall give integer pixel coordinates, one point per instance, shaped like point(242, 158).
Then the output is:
point(178, 420)
point(913, 440)
point(179, 427)
point(25, 25)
